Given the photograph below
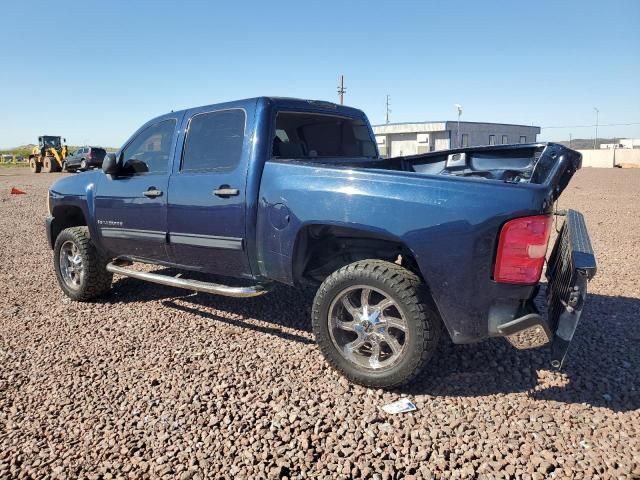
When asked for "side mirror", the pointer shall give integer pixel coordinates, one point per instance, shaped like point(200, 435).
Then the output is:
point(110, 164)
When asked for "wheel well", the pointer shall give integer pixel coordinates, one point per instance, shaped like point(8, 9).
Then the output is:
point(65, 217)
point(322, 249)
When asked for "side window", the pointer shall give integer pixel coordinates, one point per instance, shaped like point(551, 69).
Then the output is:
point(214, 141)
point(149, 151)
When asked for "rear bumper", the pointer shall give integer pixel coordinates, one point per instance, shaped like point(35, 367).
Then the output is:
point(95, 162)
point(569, 268)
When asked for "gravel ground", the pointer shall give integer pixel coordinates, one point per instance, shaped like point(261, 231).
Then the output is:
point(157, 382)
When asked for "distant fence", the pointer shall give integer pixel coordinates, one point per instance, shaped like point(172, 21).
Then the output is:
point(6, 159)
point(608, 158)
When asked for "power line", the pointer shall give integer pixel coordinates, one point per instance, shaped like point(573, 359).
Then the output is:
point(593, 125)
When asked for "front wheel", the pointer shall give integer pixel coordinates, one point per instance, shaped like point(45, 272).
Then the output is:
point(81, 271)
point(48, 165)
point(372, 322)
point(83, 164)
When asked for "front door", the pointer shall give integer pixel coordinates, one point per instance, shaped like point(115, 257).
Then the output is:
point(206, 211)
point(131, 208)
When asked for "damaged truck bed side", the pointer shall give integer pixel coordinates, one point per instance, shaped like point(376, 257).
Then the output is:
point(273, 190)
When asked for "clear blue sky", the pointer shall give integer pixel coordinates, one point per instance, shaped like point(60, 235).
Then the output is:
point(94, 71)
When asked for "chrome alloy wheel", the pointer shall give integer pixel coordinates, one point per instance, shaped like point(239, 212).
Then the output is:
point(71, 267)
point(368, 328)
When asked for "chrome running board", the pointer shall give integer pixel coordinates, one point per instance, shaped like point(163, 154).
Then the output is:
point(198, 286)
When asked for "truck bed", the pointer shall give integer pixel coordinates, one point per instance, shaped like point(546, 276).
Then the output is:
point(539, 163)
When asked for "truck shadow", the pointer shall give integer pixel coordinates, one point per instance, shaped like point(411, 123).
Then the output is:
point(270, 314)
point(601, 368)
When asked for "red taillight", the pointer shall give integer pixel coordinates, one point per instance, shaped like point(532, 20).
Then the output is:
point(521, 249)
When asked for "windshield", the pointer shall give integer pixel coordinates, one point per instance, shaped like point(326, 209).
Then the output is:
point(51, 141)
point(315, 135)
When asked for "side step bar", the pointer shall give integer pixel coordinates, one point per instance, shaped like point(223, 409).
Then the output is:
point(198, 286)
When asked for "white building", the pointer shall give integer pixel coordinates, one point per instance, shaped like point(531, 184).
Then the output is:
point(630, 142)
point(610, 146)
point(401, 139)
point(624, 143)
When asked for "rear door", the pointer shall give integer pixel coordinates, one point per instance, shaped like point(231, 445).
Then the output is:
point(131, 208)
point(73, 158)
point(206, 211)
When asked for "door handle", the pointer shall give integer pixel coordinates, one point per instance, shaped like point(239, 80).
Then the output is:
point(152, 193)
point(226, 191)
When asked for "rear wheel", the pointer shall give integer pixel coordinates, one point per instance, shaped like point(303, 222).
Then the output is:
point(34, 165)
point(80, 269)
point(372, 322)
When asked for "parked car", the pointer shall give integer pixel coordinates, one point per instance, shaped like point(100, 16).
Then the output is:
point(84, 158)
point(285, 191)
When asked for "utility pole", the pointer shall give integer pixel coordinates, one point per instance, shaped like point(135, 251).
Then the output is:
point(459, 107)
point(595, 140)
point(341, 90)
point(388, 108)
point(570, 138)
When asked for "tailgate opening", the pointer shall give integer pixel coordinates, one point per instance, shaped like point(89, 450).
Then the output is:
point(549, 164)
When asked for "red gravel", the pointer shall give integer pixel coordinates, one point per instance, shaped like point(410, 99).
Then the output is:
point(157, 382)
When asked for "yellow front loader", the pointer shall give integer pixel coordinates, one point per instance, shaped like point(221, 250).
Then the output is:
point(48, 156)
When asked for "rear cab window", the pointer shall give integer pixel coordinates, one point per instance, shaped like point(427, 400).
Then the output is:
point(304, 135)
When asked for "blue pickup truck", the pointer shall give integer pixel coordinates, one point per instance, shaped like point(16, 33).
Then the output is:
point(294, 192)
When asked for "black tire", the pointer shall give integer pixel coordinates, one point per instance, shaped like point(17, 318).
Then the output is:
point(83, 164)
point(47, 164)
point(405, 289)
point(34, 165)
point(94, 280)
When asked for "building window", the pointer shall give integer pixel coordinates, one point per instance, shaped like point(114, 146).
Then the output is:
point(492, 139)
point(465, 139)
point(505, 140)
point(523, 139)
point(423, 138)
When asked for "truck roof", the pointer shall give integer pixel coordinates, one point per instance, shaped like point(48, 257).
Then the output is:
point(286, 102)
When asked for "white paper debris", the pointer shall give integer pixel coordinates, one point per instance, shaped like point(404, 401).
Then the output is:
point(399, 406)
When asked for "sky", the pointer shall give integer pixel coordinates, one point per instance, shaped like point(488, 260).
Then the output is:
point(93, 71)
